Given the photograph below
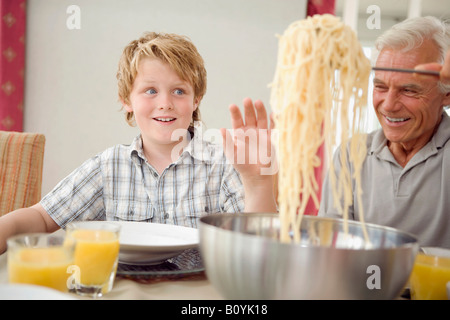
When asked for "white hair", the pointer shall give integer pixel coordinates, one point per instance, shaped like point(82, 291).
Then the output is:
point(411, 33)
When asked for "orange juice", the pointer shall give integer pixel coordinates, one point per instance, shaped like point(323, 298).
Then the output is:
point(429, 277)
point(96, 254)
point(40, 266)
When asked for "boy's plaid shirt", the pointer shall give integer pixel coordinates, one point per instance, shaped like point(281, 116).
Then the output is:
point(119, 184)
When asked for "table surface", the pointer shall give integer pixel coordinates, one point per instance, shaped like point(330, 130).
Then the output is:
point(192, 287)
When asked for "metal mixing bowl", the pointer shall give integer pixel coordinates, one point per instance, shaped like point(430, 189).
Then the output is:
point(244, 258)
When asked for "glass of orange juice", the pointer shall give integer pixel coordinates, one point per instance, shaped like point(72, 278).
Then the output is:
point(429, 277)
point(40, 259)
point(96, 255)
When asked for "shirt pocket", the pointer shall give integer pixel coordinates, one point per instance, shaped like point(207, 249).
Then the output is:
point(133, 211)
point(190, 211)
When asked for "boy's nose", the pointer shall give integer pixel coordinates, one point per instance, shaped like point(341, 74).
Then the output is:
point(165, 106)
point(165, 103)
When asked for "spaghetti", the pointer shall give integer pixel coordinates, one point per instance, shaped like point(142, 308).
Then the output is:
point(321, 80)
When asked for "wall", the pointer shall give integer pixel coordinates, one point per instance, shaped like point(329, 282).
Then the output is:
point(71, 90)
point(390, 12)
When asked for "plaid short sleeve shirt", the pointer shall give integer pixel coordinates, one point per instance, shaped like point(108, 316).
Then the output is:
point(119, 184)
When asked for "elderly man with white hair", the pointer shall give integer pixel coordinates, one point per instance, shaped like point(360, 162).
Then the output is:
point(406, 174)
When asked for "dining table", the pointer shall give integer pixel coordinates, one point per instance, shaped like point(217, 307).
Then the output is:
point(189, 286)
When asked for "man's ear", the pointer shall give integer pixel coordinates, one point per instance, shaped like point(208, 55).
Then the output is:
point(446, 101)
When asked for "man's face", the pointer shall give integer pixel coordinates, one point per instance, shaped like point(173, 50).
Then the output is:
point(408, 106)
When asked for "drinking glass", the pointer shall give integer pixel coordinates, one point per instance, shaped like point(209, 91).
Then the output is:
point(429, 277)
point(40, 259)
point(96, 256)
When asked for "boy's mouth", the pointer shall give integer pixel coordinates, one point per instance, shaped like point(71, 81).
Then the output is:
point(165, 119)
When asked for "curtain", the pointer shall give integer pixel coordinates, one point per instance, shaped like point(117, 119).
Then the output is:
point(12, 64)
point(319, 7)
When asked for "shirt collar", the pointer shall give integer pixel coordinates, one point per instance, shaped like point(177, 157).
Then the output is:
point(136, 151)
point(197, 148)
point(443, 133)
point(438, 140)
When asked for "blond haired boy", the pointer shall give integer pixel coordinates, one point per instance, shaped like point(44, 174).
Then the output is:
point(162, 81)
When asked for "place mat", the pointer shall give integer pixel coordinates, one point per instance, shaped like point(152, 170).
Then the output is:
point(188, 265)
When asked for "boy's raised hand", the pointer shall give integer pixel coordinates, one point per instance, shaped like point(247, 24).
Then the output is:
point(249, 145)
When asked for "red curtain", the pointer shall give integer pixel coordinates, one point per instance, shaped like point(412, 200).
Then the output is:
point(319, 7)
point(12, 64)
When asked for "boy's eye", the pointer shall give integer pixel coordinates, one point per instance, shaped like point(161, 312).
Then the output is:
point(178, 91)
point(150, 91)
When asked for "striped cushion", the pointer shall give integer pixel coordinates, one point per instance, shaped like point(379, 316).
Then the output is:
point(21, 162)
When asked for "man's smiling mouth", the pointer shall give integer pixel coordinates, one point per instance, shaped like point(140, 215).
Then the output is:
point(396, 120)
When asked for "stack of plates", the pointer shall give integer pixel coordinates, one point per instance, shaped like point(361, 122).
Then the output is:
point(152, 249)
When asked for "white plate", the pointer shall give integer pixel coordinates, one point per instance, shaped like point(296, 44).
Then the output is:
point(436, 251)
point(152, 243)
point(448, 290)
point(31, 292)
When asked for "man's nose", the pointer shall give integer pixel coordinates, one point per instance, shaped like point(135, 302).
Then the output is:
point(391, 101)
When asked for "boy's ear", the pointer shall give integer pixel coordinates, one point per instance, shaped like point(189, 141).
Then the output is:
point(196, 103)
point(126, 106)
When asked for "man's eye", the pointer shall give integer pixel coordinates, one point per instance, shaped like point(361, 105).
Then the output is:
point(380, 88)
point(409, 92)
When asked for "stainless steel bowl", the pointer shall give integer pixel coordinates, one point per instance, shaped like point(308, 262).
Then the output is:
point(244, 258)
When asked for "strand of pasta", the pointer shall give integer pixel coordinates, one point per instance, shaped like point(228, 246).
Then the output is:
point(311, 102)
